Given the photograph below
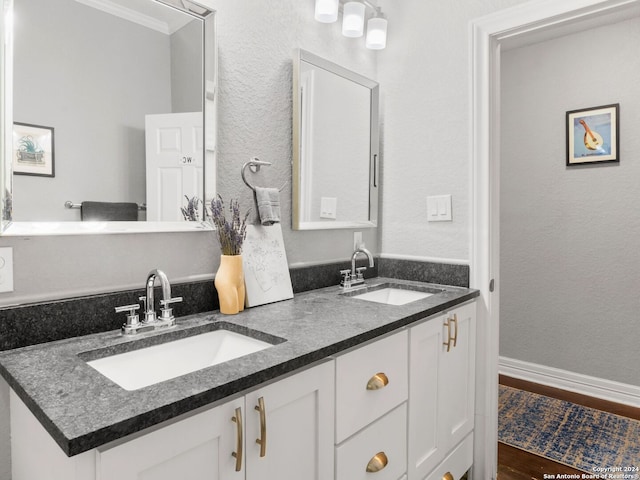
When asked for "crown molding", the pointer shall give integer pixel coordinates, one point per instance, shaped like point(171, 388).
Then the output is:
point(128, 14)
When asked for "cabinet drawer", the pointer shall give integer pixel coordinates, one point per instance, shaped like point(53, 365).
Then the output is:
point(458, 461)
point(386, 438)
point(356, 404)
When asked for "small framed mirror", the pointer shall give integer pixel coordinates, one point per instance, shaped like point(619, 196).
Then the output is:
point(336, 164)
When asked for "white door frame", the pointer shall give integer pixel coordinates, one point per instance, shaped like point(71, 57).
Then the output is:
point(486, 35)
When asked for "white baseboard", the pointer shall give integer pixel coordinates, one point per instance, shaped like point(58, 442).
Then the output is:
point(574, 382)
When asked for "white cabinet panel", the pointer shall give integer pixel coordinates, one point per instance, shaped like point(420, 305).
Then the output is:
point(357, 406)
point(197, 447)
point(425, 443)
point(442, 380)
point(456, 388)
point(298, 421)
point(457, 462)
point(386, 437)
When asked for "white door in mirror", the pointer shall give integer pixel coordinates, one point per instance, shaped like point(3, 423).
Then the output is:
point(174, 163)
point(6, 269)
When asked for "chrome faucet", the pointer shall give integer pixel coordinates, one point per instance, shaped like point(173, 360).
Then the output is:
point(149, 300)
point(151, 320)
point(354, 277)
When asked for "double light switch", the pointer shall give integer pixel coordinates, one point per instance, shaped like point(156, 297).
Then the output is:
point(439, 208)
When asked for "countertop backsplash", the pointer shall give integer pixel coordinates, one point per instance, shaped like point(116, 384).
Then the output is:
point(37, 323)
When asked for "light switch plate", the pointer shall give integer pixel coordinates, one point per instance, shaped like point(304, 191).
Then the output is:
point(6, 269)
point(328, 207)
point(439, 208)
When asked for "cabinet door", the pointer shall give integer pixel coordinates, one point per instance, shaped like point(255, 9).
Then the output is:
point(456, 384)
point(195, 448)
point(294, 421)
point(425, 445)
point(441, 387)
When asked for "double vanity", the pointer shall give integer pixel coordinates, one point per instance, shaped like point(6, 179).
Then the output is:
point(373, 383)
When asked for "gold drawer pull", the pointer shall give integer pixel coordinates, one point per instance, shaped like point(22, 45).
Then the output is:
point(377, 463)
point(378, 381)
point(238, 453)
point(455, 330)
point(451, 338)
point(262, 441)
point(448, 476)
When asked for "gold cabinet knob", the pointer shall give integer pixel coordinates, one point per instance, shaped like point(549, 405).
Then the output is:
point(377, 463)
point(447, 476)
point(378, 381)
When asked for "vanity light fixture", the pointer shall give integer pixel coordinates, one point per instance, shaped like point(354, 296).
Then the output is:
point(327, 10)
point(353, 19)
point(377, 31)
point(353, 16)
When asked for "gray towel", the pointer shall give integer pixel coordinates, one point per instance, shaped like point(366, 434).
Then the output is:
point(268, 200)
point(109, 211)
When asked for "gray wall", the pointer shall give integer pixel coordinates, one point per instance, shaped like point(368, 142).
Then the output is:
point(570, 262)
point(93, 77)
point(186, 68)
point(256, 45)
point(424, 78)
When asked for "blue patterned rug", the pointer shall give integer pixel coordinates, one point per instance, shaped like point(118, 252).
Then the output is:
point(580, 437)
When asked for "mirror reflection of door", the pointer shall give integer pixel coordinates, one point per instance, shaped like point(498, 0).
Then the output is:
point(173, 163)
point(93, 75)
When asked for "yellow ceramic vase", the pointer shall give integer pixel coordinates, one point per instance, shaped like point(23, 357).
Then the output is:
point(229, 283)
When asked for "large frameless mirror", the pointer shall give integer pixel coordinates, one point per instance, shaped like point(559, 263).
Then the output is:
point(108, 116)
point(335, 147)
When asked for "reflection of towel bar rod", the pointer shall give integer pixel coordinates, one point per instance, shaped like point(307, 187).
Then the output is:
point(70, 204)
point(254, 165)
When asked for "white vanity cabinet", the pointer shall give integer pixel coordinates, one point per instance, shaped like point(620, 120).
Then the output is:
point(295, 426)
point(398, 408)
point(441, 394)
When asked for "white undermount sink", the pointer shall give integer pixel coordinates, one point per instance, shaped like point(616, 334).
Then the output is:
point(395, 294)
point(157, 363)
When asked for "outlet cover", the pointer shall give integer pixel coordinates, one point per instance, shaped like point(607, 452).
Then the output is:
point(357, 240)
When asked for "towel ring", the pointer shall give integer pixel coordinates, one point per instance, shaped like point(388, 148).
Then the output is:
point(254, 165)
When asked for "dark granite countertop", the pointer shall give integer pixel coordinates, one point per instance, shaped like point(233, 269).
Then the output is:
point(82, 409)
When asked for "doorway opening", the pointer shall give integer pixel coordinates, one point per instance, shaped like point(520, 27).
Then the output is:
point(530, 22)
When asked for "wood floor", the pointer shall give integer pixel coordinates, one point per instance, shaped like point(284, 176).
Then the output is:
point(515, 464)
